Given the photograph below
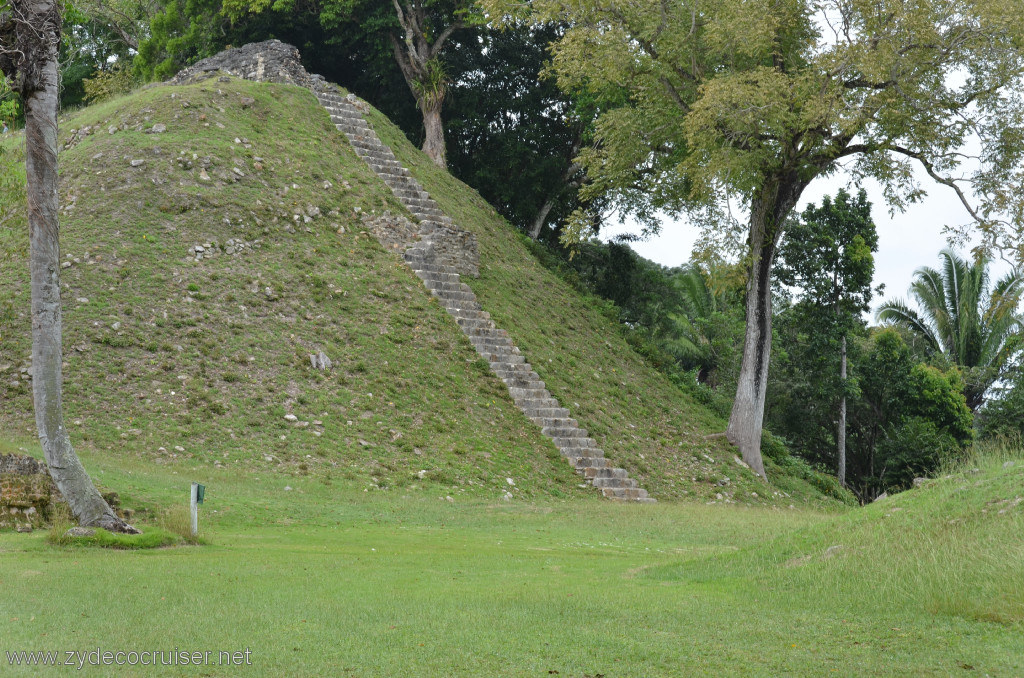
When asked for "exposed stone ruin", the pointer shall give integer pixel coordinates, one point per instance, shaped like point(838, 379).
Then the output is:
point(27, 494)
point(270, 61)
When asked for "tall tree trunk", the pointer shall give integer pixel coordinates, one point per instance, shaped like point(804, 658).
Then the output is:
point(841, 429)
point(433, 127)
point(747, 416)
point(39, 41)
point(768, 212)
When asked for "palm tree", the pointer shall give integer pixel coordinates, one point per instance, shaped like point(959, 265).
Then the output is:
point(977, 327)
point(699, 340)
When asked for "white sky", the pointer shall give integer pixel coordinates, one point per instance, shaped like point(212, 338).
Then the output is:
point(906, 241)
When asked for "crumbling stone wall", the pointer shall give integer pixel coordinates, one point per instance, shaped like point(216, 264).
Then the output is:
point(394, 232)
point(269, 61)
point(27, 494)
point(456, 248)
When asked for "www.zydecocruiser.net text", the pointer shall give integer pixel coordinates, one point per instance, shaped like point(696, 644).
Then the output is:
point(100, 657)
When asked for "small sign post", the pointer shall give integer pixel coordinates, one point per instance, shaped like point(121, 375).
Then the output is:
point(198, 493)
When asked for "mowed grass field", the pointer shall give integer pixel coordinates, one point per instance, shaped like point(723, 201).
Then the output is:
point(323, 580)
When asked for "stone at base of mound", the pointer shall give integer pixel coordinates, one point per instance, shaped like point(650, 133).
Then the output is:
point(81, 532)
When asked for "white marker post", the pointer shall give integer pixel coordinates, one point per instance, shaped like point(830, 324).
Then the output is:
point(194, 505)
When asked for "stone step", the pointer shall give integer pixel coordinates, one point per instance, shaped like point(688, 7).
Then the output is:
point(615, 482)
point(394, 178)
point(468, 316)
point(553, 421)
point(545, 412)
point(374, 154)
point(356, 124)
point(343, 118)
point(403, 193)
point(573, 443)
point(625, 493)
point(528, 393)
point(486, 332)
point(424, 213)
point(369, 142)
point(472, 315)
point(342, 107)
point(564, 432)
point(523, 373)
point(495, 352)
point(419, 260)
point(522, 382)
point(431, 226)
point(474, 324)
point(387, 172)
point(592, 461)
point(399, 182)
point(425, 261)
point(350, 132)
point(377, 159)
point(401, 178)
point(420, 202)
point(491, 341)
point(591, 472)
point(492, 354)
point(432, 277)
point(454, 306)
point(445, 286)
point(535, 403)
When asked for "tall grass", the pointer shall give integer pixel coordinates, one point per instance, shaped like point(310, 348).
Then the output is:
point(177, 520)
point(954, 547)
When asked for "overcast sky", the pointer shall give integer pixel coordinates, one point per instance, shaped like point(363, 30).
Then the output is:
point(906, 241)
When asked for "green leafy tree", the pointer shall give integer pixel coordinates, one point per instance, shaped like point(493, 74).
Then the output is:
point(909, 419)
point(124, 23)
point(10, 103)
point(90, 48)
point(976, 325)
point(499, 107)
point(1002, 416)
point(751, 100)
point(183, 32)
point(827, 254)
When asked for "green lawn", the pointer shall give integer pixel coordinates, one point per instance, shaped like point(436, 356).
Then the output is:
point(320, 580)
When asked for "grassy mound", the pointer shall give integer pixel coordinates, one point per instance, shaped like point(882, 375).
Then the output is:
point(950, 547)
point(203, 361)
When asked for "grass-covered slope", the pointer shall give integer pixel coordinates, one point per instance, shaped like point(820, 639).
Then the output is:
point(950, 548)
point(169, 357)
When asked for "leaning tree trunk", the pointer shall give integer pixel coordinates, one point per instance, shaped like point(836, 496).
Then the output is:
point(768, 212)
point(541, 217)
point(38, 40)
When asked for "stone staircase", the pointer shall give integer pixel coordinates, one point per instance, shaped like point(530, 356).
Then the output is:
point(443, 281)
